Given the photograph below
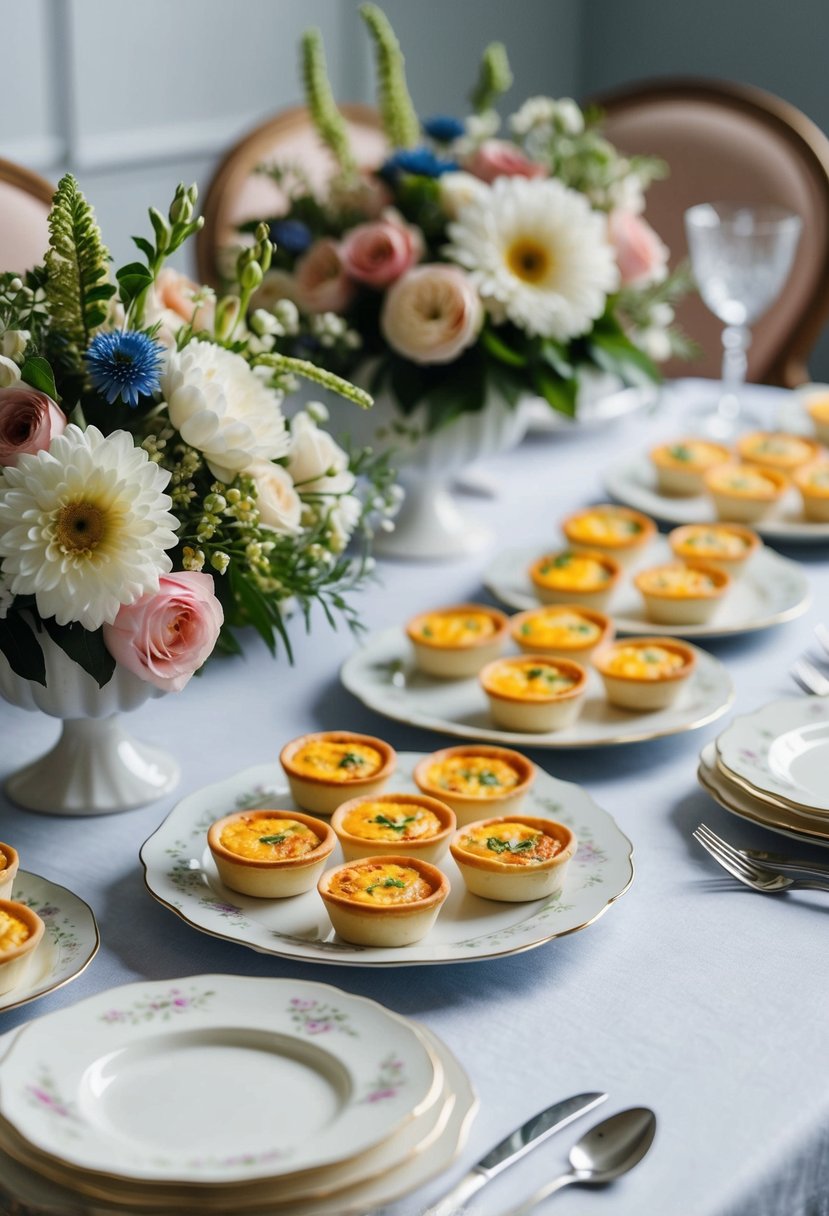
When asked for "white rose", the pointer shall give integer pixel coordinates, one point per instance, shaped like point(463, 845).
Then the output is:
point(459, 189)
point(316, 463)
point(279, 504)
point(432, 314)
point(9, 372)
point(222, 409)
point(13, 343)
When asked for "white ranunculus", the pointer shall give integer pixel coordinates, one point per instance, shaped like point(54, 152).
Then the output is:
point(317, 464)
point(9, 372)
point(13, 343)
point(222, 409)
point(280, 507)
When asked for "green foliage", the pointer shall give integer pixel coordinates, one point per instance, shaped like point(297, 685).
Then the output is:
point(327, 119)
point(397, 111)
point(85, 647)
point(494, 78)
point(38, 373)
point(22, 649)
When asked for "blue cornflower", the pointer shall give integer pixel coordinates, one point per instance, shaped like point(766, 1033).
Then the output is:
point(420, 161)
point(125, 364)
point(291, 235)
point(443, 128)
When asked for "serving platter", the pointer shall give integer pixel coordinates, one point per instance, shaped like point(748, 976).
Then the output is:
point(180, 873)
point(782, 750)
point(772, 590)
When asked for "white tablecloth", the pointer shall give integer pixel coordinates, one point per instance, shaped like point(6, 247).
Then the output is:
point(707, 1002)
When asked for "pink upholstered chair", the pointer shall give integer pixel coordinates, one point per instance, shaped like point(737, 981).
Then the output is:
point(25, 199)
point(731, 142)
point(236, 193)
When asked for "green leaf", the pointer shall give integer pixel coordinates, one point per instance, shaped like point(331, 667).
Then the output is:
point(78, 417)
point(616, 354)
point(132, 280)
point(254, 606)
point(38, 373)
point(148, 249)
point(501, 351)
point(84, 647)
point(555, 354)
point(22, 649)
point(560, 394)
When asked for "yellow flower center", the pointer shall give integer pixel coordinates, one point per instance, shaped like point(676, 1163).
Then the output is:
point(80, 527)
point(528, 260)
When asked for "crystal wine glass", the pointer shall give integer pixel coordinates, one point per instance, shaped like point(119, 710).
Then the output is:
point(741, 256)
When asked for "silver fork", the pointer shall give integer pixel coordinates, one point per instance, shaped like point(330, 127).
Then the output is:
point(757, 877)
point(770, 861)
point(809, 678)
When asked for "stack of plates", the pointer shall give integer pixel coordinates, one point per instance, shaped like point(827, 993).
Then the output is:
point(771, 767)
point(226, 1094)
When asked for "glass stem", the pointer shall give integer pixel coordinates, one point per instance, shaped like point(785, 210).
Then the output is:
point(736, 340)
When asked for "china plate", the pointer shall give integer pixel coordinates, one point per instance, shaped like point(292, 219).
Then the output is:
point(735, 799)
point(25, 1190)
point(783, 750)
point(772, 590)
point(380, 674)
point(180, 873)
point(67, 947)
point(632, 480)
point(90, 1085)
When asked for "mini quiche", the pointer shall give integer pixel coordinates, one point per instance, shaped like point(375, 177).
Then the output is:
point(813, 484)
point(815, 398)
point(514, 858)
point(9, 865)
point(727, 547)
point(681, 466)
point(476, 779)
point(744, 492)
point(617, 532)
point(561, 632)
point(568, 577)
point(533, 692)
point(21, 931)
point(389, 900)
point(777, 450)
point(682, 593)
point(645, 673)
point(413, 825)
point(326, 769)
point(456, 642)
point(271, 854)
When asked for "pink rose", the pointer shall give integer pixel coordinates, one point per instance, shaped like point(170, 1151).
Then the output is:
point(378, 253)
point(320, 280)
point(431, 314)
point(29, 421)
point(164, 637)
point(640, 255)
point(499, 158)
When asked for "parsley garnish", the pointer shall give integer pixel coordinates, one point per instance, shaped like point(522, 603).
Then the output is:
point(427, 631)
point(398, 825)
point(351, 760)
point(503, 846)
point(681, 452)
point(387, 882)
point(487, 777)
point(273, 839)
point(526, 630)
point(534, 672)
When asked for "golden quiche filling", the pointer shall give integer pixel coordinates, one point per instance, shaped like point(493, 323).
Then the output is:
point(13, 932)
point(455, 628)
point(572, 571)
point(4, 861)
point(345, 761)
point(680, 582)
point(380, 883)
point(530, 680)
point(559, 627)
point(475, 776)
point(510, 844)
point(605, 527)
point(778, 449)
point(643, 662)
point(381, 820)
point(711, 541)
point(816, 479)
point(818, 407)
point(268, 838)
point(691, 454)
point(743, 480)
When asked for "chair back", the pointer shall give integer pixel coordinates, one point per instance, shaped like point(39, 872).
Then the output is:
point(25, 199)
point(729, 142)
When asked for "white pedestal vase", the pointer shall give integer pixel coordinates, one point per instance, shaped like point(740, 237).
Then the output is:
point(96, 767)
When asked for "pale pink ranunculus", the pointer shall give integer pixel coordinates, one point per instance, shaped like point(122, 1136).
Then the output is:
point(320, 280)
point(378, 253)
point(29, 421)
point(641, 256)
point(499, 158)
point(432, 314)
point(165, 636)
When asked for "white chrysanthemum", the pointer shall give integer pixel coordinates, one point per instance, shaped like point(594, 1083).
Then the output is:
point(84, 526)
point(222, 409)
point(538, 255)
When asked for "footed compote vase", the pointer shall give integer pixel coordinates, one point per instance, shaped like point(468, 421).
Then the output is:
point(96, 767)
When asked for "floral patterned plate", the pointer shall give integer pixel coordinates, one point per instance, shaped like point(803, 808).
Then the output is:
point(128, 1082)
point(68, 946)
point(735, 798)
point(180, 873)
point(772, 590)
point(782, 751)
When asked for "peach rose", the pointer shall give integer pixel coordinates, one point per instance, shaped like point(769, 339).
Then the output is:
point(378, 253)
point(320, 281)
point(499, 158)
point(280, 507)
point(171, 301)
point(432, 314)
point(165, 636)
point(29, 421)
point(640, 255)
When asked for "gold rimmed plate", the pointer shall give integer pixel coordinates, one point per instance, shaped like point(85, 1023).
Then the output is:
point(733, 798)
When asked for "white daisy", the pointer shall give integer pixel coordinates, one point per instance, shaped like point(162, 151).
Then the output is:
point(538, 254)
point(84, 526)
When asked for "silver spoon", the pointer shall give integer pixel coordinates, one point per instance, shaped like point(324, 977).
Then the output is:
point(609, 1149)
